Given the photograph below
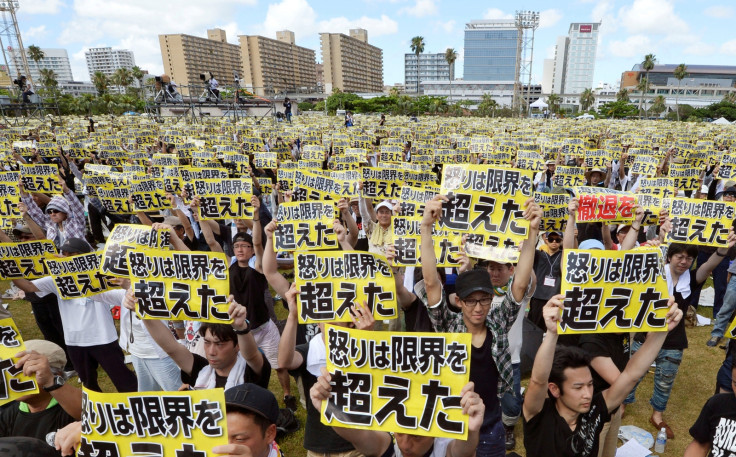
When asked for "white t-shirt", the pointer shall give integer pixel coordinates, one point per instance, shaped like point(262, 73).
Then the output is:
point(143, 346)
point(439, 449)
point(86, 321)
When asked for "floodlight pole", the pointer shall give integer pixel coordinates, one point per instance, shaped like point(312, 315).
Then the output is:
point(524, 21)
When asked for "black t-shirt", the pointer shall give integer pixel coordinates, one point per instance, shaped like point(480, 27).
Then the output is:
point(14, 422)
point(547, 265)
point(716, 425)
point(248, 287)
point(484, 374)
point(318, 438)
point(612, 345)
point(548, 435)
point(20, 446)
point(220, 381)
point(417, 317)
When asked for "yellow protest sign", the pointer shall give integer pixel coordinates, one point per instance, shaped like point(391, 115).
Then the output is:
point(554, 207)
point(727, 170)
point(701, 222)
point(266, 160)
point(305, 226)
point(613, 291)
point(645, 165)
point(149, 195)
point(26, 259)
point(41, 178)
point(224, 198)
point(663, 187)
point(406, 240)
point(599, 204)
point(392, 154)
point(329, 283)
point(166, 424)
point(487, 203)
point(325, 185)
point(382, 183)
point(685, 176)
point(115, 199)
point(180, 285)
point(597, 158)
point(652, 205)
point(9, 197)
point(568, 176)
point(14, 383)
point(530, 160)
point(78, 276)
point(127, 237)
point(397, 382)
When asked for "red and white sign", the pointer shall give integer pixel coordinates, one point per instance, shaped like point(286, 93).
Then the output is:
point(586, 28)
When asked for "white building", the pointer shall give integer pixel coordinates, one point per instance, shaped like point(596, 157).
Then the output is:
point(107, 60)
point(432, 67)
point(54, 59)
point(77, 88)
point(571, 71)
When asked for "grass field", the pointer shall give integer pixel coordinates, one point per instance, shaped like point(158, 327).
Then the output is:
point(695, 383)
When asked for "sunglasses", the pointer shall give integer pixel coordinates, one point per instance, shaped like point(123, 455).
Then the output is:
point(54, 211)
point(554, 239)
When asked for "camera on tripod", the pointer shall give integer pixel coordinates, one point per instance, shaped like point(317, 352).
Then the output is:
point(206, 76)
point(20, 82)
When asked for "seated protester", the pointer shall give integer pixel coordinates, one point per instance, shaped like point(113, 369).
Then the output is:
point(232, 354)
point(548, 272)
point(304, 361)
point(713, 431)
point(490, 366)
point(373, 443)
point(562, 415)
point(251, 412)
point(89, 330)
point(54, 406)
point(62, 219)
point(680, 283)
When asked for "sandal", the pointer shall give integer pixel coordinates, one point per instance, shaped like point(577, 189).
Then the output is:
point(663, 424)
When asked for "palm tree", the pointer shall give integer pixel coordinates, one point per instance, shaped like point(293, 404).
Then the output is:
point(730, 97)
point(679, 73)
point(450, 58)
point(622, 95)
point(587, 99)
point(647, 65)
point(138, 75)
point(553, 102)
point(417, 47)
point(100, 81)
point(487, 106)
point(36, 54)
point(123, 77)
point(659, 105)
point(641, 87)
point(48, 78)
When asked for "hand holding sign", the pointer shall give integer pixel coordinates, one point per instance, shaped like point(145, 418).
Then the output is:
point(433, 210)
point(67, 439)
point(472, 406)
point(552, 312)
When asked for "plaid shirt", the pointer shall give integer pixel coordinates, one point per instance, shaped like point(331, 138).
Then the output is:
point(75, 225)
point(499, 320)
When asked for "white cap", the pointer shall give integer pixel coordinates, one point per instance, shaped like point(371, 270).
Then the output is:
point(385, 204)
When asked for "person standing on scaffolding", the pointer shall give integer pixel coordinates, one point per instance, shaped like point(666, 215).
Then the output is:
point(213, 85)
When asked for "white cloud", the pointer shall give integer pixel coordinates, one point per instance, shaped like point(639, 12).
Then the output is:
point(34, 32)
point(699, 49)
point(448, 26)
point(549, 18)
point(652, 17)
point(636, 45)
point(41, 7)
point(719, 12)
point(421, 8)
point(729, 48)
point(495, 13)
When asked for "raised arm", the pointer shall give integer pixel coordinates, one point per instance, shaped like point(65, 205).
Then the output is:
point(246, 342)
point(523, 270)
point(341, 235)
point(288, 357)
point(475, 409)
point(570, 241)
point(352, 226)
point(257, 233)
point(536, 393)
point(702, 273)
point(432, 284)
point(68, 396)
point(36, 229)
point(640, 361)
point(176, 242)
point(606, 236)
point(207, 229)
point(629, 241)
point(270, 265)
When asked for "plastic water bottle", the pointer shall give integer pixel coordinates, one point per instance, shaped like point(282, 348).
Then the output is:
point(661, 442)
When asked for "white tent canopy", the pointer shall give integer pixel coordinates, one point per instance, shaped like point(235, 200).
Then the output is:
point(539, 104)
point(721, 121)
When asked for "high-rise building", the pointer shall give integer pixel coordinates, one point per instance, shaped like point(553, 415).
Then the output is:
point(276, 66)
point(490, 50)
point(432, 67)
point(53, 59)
point(186, 57)
point(350, 63)
point(571, 70)
point(107, 60)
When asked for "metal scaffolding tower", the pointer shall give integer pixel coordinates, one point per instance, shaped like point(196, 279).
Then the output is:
point(11, 42)
point(527, 23)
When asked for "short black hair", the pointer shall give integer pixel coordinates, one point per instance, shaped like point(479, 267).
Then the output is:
point(566, 357)
point(677, 248)
point(243, 236)
point(223, 332)
point(259, 420)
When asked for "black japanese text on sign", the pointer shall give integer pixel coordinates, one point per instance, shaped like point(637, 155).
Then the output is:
point(13, 384)
point(329, 283)
point(701, 222)
point(399, 382)
point(305, 226)
point(79, 276)
point(178, 285)
point(160, 424)
point(224, 198)
point(25, 260)
point(125, 238)
point(613, 291)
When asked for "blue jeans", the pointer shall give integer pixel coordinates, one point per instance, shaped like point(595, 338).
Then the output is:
point(668, 363)
point(511, 403)
point(155, 375)
point(492, 443)
point(720, 274)
point(729, 306)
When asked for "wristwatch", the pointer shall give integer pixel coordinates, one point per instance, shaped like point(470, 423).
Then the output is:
point(58, 382)
point(245, 331)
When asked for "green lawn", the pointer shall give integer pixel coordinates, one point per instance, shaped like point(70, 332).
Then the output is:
point(694, 385)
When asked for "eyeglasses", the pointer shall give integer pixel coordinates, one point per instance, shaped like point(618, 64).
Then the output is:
point(554, 240)
point(242, 246)
point(53, 211)
point(472, 303)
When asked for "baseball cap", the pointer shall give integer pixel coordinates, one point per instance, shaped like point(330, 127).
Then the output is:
point(729, 190)
point(21, 229)
point(52, 351)
point(473, 281)
point(591, 244)
point(554, 232)
point(76, 246)
point(254, 398)
point(385, 204)
point(621, 227)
